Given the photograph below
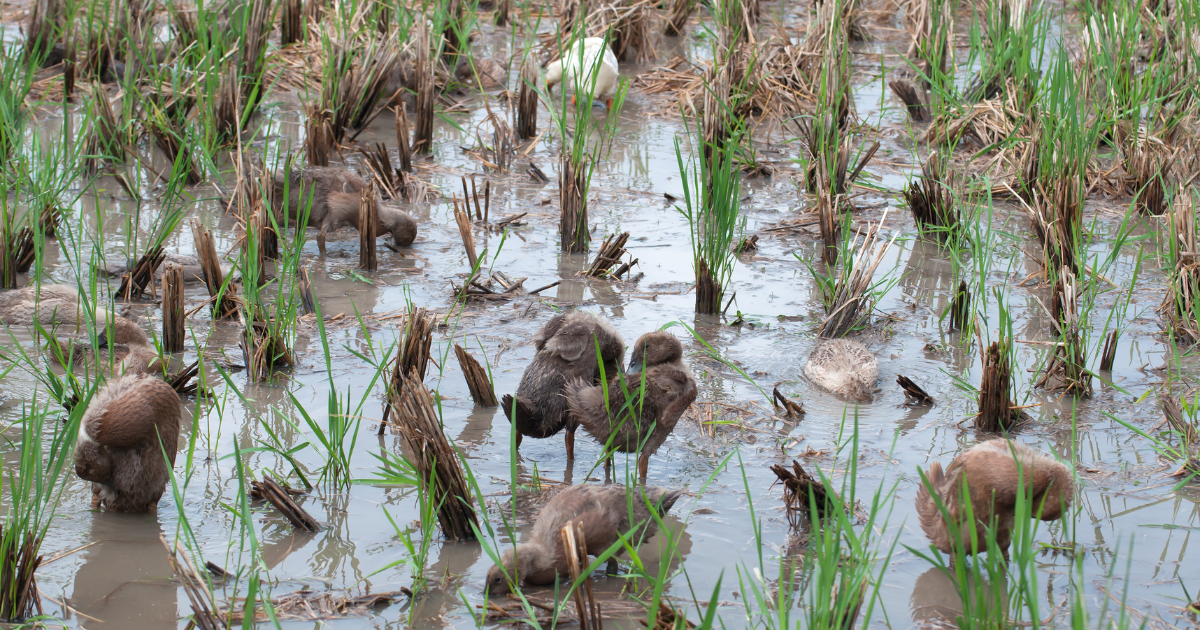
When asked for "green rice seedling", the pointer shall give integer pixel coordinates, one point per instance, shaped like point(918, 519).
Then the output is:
point(417, 546)
point(44, 28)
point(1055, 167)
point(17, 72)
point(850, 292)
point(1066, 369)
point(580, 151)
point(935, 198)
point(1179, 441)
point(244, 86)
point(357, 68)
point(712, 206)
point(1007, 44)
point(996, 410)
point(35, 484)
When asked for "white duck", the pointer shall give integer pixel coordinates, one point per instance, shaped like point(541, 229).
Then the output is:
point(603, 68)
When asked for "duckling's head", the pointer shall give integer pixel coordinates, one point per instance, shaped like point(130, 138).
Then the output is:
point(654, 348)
point(92, 462)
point(399, 224)
point(498, 576)
point(119, 330)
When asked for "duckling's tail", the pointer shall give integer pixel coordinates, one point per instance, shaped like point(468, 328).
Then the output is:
point(932, 522)
point(664, 499)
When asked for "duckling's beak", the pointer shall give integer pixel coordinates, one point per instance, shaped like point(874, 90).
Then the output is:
point(102, 340)
point(636, 366)
point(598, 104)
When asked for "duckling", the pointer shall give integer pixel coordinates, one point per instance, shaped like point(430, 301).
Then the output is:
point(127, 427)
point(566, 351)
point(128, 345)
point(844, 367)
point(669, 391)
point(605, 512)
point(990, 470)
point(597, 61)
point(190, 264)
point(58, 304)
point(335, 198)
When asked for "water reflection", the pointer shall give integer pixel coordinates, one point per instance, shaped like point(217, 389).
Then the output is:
point(935, 600)
point(125, 580)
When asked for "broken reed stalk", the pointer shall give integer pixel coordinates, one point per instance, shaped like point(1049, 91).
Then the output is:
point(609, 255)
point(587, 609)
point(996, 413)
point(265, 236)
point(1056, 216)
point(318, 136)
point(503, 7)
point(1067, 368)
point(412, 357)
point(134, 283)
point(174, 314)
point(960, 308)
point(304, 284)
point(1147, 178)
point(790, 407)
point(916, 102)
point(678, 16)
point(1180, 308)
point(368, 225)
point(801, 491)
point(423, 132)
point(184, 381)
point(24, 247)
point(527, 100)
point(225, 305)
point(205, 612)
point(468, 238)
point(390, 180)
point(279, 496)
point(669, 618)
point(930, 197)
point(434, 459)
point(913, 392)
point(1108, 356)
point(263, 349)
point(852, 301)
point(572, 197)
point(291, 27)
point(499, 156)
point(403, 147)
point(829, 216)
point(482, 391)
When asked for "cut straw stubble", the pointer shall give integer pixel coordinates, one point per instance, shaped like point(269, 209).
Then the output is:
point(482, 391)
point(368, 224)
point(435, 460)
point(226, 305)
point(173, 311)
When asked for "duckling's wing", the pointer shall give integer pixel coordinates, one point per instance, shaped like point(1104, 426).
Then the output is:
point(135, 414)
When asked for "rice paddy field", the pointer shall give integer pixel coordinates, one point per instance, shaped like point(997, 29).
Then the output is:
point(996, 198)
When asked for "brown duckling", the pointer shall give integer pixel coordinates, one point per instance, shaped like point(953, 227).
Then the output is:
point(606, 514)
point(639, 419)
point(122, 437)
point(990, 470)
point(566, 351)
point(335, 197)
point(844, 367)
point(129, 349)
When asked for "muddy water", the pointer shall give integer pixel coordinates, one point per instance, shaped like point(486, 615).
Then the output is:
point(1131, 521)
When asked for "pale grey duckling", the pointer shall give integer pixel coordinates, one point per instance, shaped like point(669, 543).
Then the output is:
point(58, 305)
point(990, 470)
point(636, 418)
point(122, 438)
point(844, 367)
point(191, 268)
point(335, 193)
point(606, 514)
point(566, 352)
